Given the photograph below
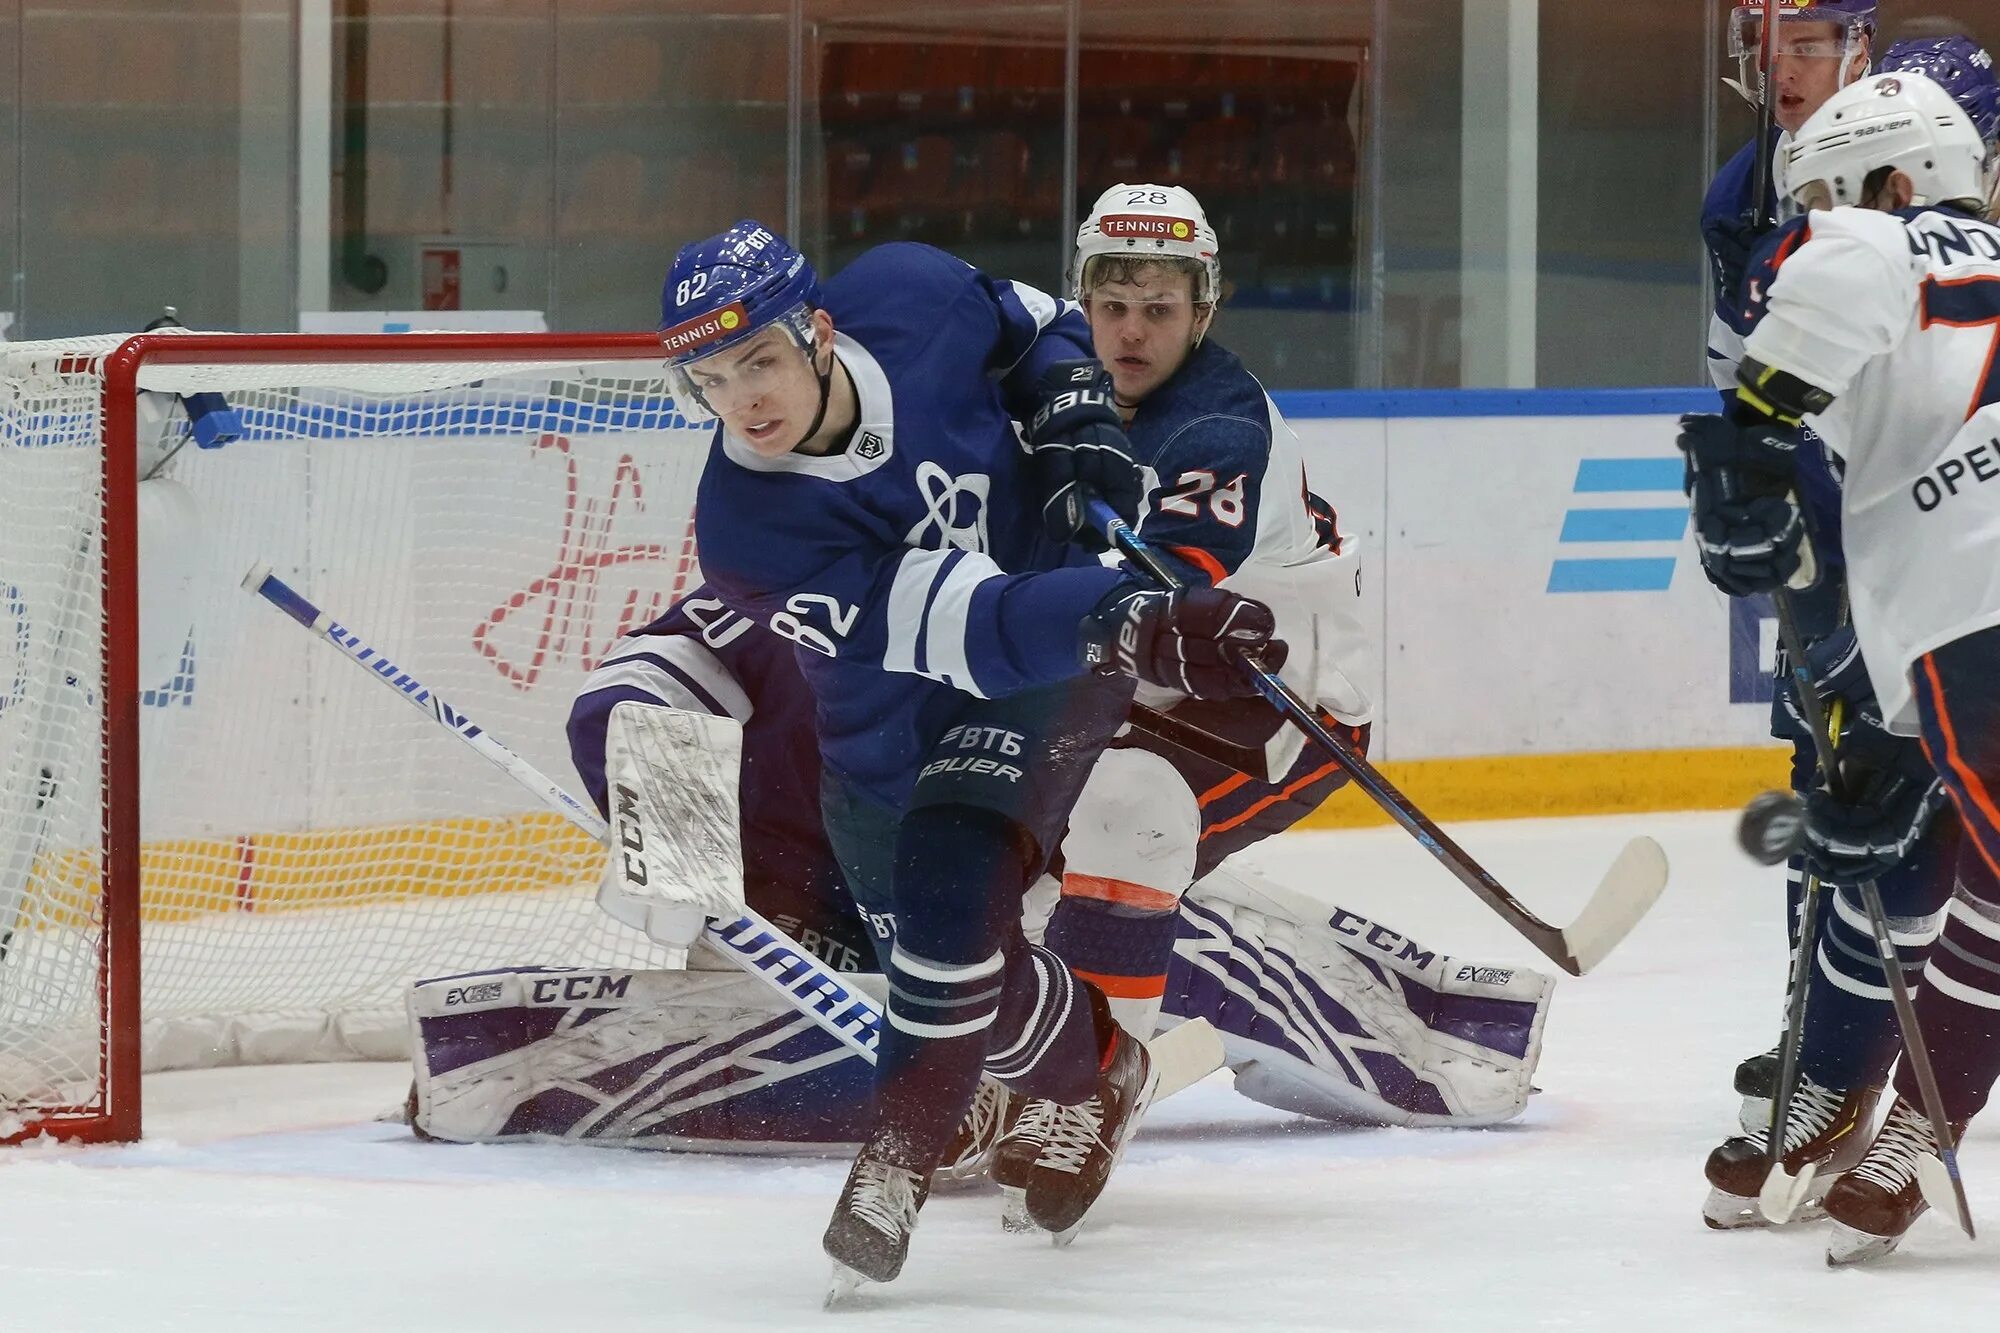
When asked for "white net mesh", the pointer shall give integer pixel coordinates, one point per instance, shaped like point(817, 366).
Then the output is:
point(310, 843)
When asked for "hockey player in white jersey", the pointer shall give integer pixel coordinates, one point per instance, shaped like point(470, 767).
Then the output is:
point(1881, 329)
point(1847, 1038)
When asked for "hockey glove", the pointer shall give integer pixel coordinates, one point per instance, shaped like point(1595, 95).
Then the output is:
point(1191, 640)
point(1891, 793)
point(1078, 443)
point(1836, 670)
point(1739, 481)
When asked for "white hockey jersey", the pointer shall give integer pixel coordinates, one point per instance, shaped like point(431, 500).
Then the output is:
point(1898, 316)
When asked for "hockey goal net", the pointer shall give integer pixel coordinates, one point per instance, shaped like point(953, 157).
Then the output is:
point(221, 843)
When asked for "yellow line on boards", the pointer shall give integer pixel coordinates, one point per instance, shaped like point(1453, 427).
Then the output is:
point(1537, 786)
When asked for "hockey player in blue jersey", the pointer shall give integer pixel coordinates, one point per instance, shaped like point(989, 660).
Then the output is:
point(1233, 506)
point(866, 497)
point(1849, 1039)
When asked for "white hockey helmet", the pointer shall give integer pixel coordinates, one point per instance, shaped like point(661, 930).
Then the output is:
point(1147, 222)
point(1903, 121)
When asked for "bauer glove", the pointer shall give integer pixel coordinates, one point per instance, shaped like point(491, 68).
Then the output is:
point(1191, 640)
point(1077, 443)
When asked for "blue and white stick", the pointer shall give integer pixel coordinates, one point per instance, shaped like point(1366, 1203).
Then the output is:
point(751, 942)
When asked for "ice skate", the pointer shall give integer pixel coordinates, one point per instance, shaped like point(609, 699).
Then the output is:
point(1014, 1159)
point(970, 1156)
point(1826, 1135)
point(870, 1231)
point(1873, 1205)
point(1085, 1141)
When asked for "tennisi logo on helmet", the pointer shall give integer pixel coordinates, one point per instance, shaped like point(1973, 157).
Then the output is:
point(704, 329)
point(1144, 226)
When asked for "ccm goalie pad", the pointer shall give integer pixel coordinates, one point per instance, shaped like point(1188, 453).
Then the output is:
point(1330, 1015)
point(707, 1061)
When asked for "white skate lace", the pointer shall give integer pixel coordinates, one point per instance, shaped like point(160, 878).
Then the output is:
point(1891, 1161)
point(1073, 1134)
point(981, 1128)
point(885, 1197)
point(1035, 1121)
point(1813, 1108)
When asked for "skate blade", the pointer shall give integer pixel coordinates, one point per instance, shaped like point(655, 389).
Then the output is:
point(843, 1284)
point(1784, 1194)
point(1061, 1239)
point(1934, 1182)
point(1014, 1218)
point(1733, 1212)
point(1849, 1247)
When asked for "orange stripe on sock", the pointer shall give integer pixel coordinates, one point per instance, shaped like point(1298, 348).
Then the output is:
point(1126, 988)
point(1269, 801)
point(1222, 788)
point(1119, 891)
point(1977, 789)
point(1203, 561)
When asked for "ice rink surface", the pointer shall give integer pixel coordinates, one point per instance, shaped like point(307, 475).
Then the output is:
point(268, 1199)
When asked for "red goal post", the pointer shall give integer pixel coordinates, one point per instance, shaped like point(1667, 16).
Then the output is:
point(209, 850)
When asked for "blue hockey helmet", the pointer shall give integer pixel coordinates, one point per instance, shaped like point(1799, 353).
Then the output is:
point(727, 289)
point(1959, 65)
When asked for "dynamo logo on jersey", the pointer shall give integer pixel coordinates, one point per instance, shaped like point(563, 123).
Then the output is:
point(1622, 527)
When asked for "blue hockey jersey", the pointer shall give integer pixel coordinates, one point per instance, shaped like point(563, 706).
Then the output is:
point(910, 569)
point(1233, 504)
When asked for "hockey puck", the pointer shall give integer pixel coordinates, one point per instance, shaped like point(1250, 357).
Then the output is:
point(1772, 827)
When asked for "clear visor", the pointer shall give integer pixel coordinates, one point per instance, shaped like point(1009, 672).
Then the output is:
point(708, 386)
point(1798, 39)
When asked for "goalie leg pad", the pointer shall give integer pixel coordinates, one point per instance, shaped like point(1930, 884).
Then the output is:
point(1338, 1017)
point(707, 1061)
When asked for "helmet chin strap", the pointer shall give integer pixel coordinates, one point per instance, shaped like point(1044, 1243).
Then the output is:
point(825, 394)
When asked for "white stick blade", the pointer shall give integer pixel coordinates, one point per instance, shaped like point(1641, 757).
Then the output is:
point(1934, 1181)
point(1185, 1055)
point(1623, 897)
point(1783, 1194)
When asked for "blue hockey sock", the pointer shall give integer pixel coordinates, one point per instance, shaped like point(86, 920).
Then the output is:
point(1053, 1032)
point(1850, 1025)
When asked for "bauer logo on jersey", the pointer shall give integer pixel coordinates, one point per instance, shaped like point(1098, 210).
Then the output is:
point(704, 329)
point(1146, 227)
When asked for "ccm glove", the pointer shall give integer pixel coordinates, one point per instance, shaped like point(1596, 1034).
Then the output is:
point(1891, 793)
point(1732, 239)
point(1190, 640)
point(1739, 481)
point(1077, 443)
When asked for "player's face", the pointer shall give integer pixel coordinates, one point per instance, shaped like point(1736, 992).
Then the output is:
point(764, 390)
point(1143, 328)
point(1809, 69)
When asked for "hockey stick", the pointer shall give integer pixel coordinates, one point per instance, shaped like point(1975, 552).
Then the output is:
point(1192, 740)
point(748, 940)
point(1622, 897)
point(1767, 116)
point(1947, 1195)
